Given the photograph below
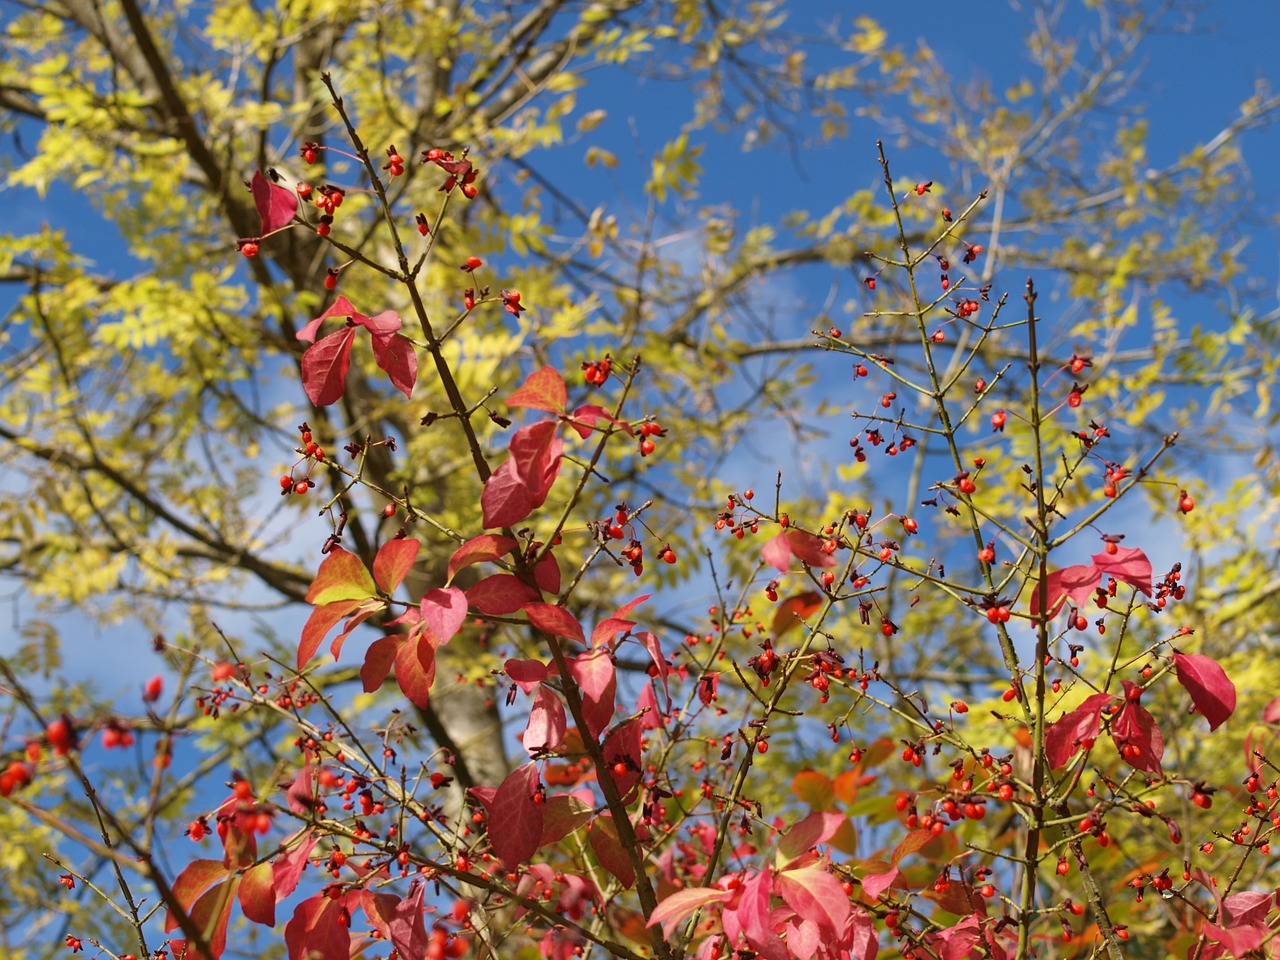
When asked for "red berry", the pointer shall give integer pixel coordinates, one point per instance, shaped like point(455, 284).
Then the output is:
point(998, 420)
point(301, 487)
point(389, 510)
point(286, 482)
point(473, 263)
point(151, 691)
point(249, 248)
point(1185, 503)
point(923, 188)
point(331, 279)
point(909, 524)
point(966, 485)
point(1075, 398)
point(647, 447)
point(946, 214)
point(762, 746)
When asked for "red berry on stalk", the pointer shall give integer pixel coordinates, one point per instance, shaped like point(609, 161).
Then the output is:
point(946, 214)
point(249, 248)
point(1185, 503)
point(331, 279)
point(151, 690)
point(423, 227)
point(473, 263)
point(923, 188)
point(870, 282)
point(301, 487)
point(647, 447)
point(998, 420)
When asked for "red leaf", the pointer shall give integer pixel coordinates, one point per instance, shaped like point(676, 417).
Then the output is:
point(622, 746)
point(365, 611)
point(584, 419)
point(547, 723)
point(341, 307)
point(546, 574)
point(515, 821)
point(500, 594)
point(394, 561)
point(397, 358)
point(603, 835)
point(287, 868)
point(794, 611)
point(416, 670)
point(561, 816)
point(316, 931)
point(1134, 725)
point(1076, 583)
point(597, 683)
point(1128, 564)
point(342, 576)
point(320, 623)
point(443, 613)
point(661, 668)
point(555, 620)
point(683, 904)
point(276, 204)
point(377, 662)
point(610, 627)
point(814, 894)
point(325, 365)
point(1211, 689)
point(1271, 712)
point(753, 910)
point(543, 390)
point(487, 546)
point(1063, 737)
point(196, 877)
point(1246, 909)
point(527, 674)
point(506, 499)
point(258, 894)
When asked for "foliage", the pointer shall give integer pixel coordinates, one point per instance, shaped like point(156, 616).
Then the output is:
point(674, 796)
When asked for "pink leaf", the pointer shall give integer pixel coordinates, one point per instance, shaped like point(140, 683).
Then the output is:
point(682, 904)
point(258, 894)
point(287, 868)
point(500, 594)
point(406, 928)
point(1128, 565)
point(808, 548)
point(597, 679)
point(416, 670)
point(777, 552)
point(547, 723)
point(515, 820)
point(300, 795)
point(661, 668)
point(874, 884)
point(443, 613)
point(320, 622)
point(814, 829)
point(1271, 712)
point(276, 204)
point(341, 307)
point(325, 365)
point(380, 325)
point(1247, 908)
point(603, 835)
point(377, 662)
point(814, 894)
point(1076, 583)
point(864, 943)
point(1133, 725)
point(1211, 689)
point(1065, 735)
point(394, 561)
point(487, 546)
point(397, 358)
point(527, 674)
point(753, 908)
point(585, 417)
point(554, 620)
point(342, 576)
point(543, 390)
point(610, 627)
